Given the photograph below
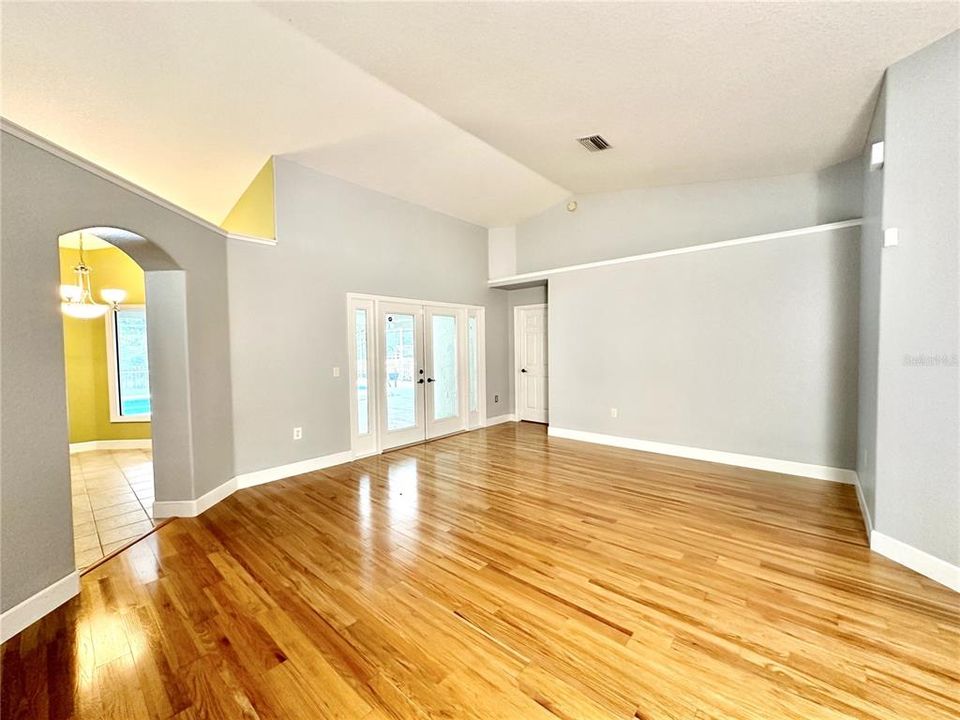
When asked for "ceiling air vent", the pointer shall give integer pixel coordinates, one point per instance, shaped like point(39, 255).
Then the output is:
point(594, 143)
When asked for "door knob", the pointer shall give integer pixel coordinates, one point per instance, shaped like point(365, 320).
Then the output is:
point(430, 380)
point(523, 370)
point(420, 381)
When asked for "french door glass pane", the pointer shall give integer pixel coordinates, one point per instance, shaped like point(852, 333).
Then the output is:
point(363, 413)
point(401, 371)
point(474, 377)
point(133, 378)
point(444, 366)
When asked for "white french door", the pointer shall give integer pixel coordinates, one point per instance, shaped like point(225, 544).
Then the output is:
point(416, 371)
point(402, 374)
point(445, 360)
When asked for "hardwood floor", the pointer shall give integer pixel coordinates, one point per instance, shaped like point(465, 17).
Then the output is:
point(501, 574)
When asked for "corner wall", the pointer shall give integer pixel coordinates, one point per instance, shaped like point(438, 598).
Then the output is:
point(917, 395)
point(619, 224)
point(288, 306)
point(43, 197)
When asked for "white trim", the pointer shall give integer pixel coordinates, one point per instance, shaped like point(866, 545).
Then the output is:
point(544, 274)
point(498, 419)
point(917, 560)
point(89, 445)
point(250, 239)
point(192, 508)
point(366, 443)
point(478, 418)
point(756, 462)
point(24, 614)
point(864, 510)
point(259, 477)
point(410, 301)
point(28, 136)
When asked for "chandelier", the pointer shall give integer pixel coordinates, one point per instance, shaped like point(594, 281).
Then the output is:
point(78, 299)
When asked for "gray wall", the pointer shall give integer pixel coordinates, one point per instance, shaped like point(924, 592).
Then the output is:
point(870, 243)
point(918, 430)
point(750, 349)
point(288, 306)
point(43, 197)
point(611, 225)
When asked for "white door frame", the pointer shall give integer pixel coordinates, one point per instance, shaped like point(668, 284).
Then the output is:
point(372, 444)
point(516, 353)
point(363, 444)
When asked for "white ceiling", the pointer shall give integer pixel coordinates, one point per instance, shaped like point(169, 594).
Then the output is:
point(189, 99)
point(683, 91)
point(466, 108)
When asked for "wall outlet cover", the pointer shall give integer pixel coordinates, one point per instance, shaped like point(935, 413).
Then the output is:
point(298, 433)
point(891, 237)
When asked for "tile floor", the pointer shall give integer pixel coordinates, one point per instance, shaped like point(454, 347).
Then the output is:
point(112, 501)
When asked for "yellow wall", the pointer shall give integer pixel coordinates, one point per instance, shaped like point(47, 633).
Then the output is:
point(254, 212)
point(85, 348)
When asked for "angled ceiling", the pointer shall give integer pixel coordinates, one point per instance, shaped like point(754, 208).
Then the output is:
point(470, 109)
point(189, 99)
point(683, 91)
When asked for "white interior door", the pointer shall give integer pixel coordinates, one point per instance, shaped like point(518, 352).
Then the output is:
point(402, 375)
point(532, 368)
point(445, 362)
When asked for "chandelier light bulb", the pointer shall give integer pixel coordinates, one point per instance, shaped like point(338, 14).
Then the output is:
point(71, 293)
point(114, 296)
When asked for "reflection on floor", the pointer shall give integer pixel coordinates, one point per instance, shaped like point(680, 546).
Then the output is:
point(501, 574)
point(112, 501)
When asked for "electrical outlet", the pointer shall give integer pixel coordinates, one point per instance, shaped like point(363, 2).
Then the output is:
point(891, 237)
point(336, 372)
point(614, 412)
point(496, 398)
point(298, 433)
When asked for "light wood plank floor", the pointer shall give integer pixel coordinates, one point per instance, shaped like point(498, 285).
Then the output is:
point(501, 574)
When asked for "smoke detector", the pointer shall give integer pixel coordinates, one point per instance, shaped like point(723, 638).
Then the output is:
point(594, 143)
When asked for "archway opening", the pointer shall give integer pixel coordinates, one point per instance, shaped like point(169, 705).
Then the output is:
point(108, 339)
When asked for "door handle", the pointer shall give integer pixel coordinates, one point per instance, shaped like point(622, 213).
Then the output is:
point(429, 380)
point(523, 370)
point(420, 381)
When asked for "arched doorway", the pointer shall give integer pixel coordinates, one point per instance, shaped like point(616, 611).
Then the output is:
point(123, 301)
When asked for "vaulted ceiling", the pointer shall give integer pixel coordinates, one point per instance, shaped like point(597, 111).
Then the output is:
point(471, 109)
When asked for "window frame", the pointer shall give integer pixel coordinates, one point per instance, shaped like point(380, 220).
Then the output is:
point(113, 369)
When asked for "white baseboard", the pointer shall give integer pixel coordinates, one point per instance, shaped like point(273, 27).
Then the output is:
point(192, 508)
point(864, 510)
point(36, 606)
point(145, 444)
point(496, 420)
point(258, 477)
point(785, 467)
point(917, 560)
